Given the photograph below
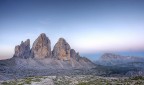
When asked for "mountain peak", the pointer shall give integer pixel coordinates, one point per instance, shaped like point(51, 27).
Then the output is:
point(23, 50)
point(61, 50)
point(41, 47)
point(42, 35)
point(62, 39)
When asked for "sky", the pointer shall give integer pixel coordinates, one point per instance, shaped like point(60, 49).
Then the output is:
point(89, 26)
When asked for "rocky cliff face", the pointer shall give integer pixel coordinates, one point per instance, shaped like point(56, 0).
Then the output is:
point(61, 50)
point(41, 47)
point(23, 50)
point(73, 54)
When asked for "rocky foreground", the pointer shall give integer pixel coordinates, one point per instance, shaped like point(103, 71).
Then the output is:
point(76, 80)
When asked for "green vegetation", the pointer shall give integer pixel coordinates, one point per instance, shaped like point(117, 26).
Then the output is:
point(28, 80)
point(21, 84)
point(80, 80)
point(82, 83)
point(5, 83)
point(61, 81)
point(137, 78)
point(37, 80)
point(9, 83)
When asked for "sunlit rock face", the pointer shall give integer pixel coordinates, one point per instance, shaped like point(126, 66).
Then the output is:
point(41, 47)
point(61, 50)
point(23, 50)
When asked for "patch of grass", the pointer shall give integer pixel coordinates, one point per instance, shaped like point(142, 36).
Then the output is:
point(21, 84)
point(9, 83)
point(37, 80)
point(137, 78)
point(28, 80)
point(5, 83)
point(39, 76)
point(82, 83)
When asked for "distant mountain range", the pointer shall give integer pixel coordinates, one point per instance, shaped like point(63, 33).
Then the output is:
point(110, 59)
point(117, 65)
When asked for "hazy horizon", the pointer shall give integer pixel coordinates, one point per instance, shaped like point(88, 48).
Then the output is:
point(90, 27)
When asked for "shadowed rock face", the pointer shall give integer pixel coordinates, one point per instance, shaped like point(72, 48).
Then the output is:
point(74, 55)
point(23, 50)
point(41, 47)
point(61, 50)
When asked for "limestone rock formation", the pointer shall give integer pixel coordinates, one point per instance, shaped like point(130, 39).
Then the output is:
point(40, 55)
point(74, 55)
point(41, 47)
point(61, 50)
point(23, 50)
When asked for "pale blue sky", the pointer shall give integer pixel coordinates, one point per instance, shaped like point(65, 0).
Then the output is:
point(89, 26)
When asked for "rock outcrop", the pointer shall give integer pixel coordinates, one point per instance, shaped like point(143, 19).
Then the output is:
point(41, 47)
point(74, 55)
point(23, 50)
point(61, 50)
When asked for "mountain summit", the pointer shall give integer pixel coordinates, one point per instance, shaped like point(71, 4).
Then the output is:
point(61, 50)
point(23, 50)
point(41, 47)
